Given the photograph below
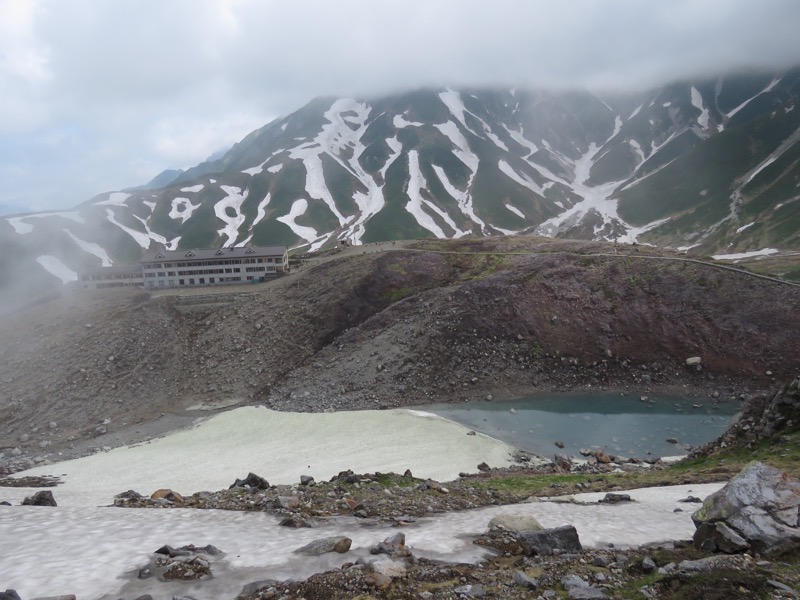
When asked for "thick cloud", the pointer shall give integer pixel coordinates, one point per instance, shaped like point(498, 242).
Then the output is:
point(102, 95)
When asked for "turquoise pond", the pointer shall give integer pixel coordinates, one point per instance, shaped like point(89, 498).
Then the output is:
point(614, 423)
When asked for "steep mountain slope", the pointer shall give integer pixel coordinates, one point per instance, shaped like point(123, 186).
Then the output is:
point(441, 320)
point(706, 165)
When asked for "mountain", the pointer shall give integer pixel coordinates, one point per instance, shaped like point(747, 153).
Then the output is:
point(709, 166)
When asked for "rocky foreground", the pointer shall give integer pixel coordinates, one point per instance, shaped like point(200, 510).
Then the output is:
point(746, 544)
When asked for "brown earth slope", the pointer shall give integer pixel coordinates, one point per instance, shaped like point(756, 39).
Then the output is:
point(440, 321)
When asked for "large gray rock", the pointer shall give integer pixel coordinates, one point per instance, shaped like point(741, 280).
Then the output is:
point(43, 498)
point(515, 522)
point(340, 544)
point(761, 506)
point(550, 541)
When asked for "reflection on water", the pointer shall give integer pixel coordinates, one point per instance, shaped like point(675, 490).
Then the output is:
point(611, 422)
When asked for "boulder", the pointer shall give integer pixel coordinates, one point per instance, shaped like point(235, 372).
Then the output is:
point(287, 502)
point(389, 567)
point(523, 580)
point(252, 481)
point(759, 506)
point(515, 522)
point(168, 495)
point(393, 546)
point(562, 461)
point(612, 498)
point(306, 480)
point(550, 541)
point(43, 498)
point(340, 544)
point(10, 595)
point(693, 361)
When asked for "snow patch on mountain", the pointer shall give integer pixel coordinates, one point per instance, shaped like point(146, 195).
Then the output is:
point(520, 178)
point(417, 203)
point(55, 267)
point(262, 210)
point(275, 168)
point(193, 189)
point(396, 148)
point(22, 228)
point(519, 137)
point(233, 203)
point(156, 237)
point(399, 122)
point(462, 198)
point(514, 210)
point(92, 248)
point(140, 238)
point(182, 208)
point(741, 255)
point(697, 102)
point(462, 150)
point(767, 89)
point(114, 199)
point(309, 234)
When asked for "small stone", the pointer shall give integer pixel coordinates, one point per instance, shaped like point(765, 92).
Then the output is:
point(648, 565)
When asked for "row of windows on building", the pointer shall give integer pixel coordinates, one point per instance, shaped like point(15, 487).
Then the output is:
point(210, 263)
point(265, 269)
point(197, 281)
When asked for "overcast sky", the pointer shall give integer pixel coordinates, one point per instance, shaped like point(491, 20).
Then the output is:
point(98, 95)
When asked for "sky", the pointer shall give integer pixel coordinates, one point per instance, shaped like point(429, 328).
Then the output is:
point(97, 96)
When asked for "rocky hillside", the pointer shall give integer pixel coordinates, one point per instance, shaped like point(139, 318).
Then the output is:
point(434, 321)
point(708, 166)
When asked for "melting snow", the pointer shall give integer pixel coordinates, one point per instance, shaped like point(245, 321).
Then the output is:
point(399, 122)
point(463, 199)
point(232, 201)
point(743, 227)
point(697, 102)
point(91, 248)
point(299, 208)
point(514, 210)
point(749, 100)
point(21, 227)
point(62, 540)
point(150, 205)
point(54, 266)
point(275, 168)
point(182, 208)
point(520, 178)
point(416, 183)
point(193, 188)
point(741, 255)
point(114, 199)
point(396, 147)
point(143, 239)
point(262, 210)
point(519, 137)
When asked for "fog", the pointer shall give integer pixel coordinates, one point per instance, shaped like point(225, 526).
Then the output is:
point(102, 96)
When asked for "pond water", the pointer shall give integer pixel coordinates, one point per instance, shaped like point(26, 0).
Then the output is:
point(617, 424)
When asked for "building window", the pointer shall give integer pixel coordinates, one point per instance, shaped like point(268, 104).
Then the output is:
point(191, 281)
point(202, 280)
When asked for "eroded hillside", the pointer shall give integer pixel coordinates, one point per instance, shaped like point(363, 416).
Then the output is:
point(437, 321)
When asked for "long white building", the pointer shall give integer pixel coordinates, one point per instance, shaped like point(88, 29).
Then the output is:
point(190, 268)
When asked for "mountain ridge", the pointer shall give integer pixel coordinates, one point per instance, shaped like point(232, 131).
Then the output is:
point(707, 166)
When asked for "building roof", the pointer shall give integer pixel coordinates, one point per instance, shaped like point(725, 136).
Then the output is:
point(213, 253)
